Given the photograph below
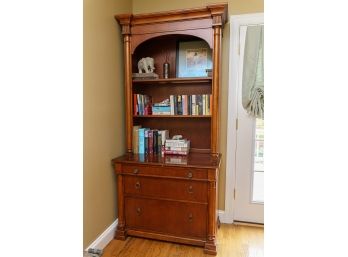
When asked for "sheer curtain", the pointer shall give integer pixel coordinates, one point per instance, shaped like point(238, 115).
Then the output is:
point(253, 78)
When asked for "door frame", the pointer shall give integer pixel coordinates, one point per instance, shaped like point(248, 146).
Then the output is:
point(235, 22)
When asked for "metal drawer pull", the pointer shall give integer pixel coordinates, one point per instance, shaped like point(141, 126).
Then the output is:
point(189, 175)
point(190, 189)
point(190, 218)
point(137, 185)
point(138, 211)
point(135, 171)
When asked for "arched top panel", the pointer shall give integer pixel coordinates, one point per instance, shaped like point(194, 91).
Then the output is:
point(203, 34)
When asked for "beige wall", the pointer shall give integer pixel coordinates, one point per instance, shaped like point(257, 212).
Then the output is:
point(103, 118)
point(234, 7)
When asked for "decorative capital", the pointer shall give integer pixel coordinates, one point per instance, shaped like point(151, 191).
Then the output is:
point(218, 13)
point(124, 20)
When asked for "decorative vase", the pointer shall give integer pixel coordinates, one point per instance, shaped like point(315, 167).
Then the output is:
point(166, 70)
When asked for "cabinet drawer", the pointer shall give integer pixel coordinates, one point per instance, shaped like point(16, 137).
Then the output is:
point(167, 188)
point(165, 171)
point(169, 217)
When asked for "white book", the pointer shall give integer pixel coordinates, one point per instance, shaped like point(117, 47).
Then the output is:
point(171, 99)
point(193, 104)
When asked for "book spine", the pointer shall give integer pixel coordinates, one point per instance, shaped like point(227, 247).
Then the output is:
point(204, 112)
point(155, 140)
point(150, 145)
point(159, 142)
point(135, 105)
point(211, 103)
point(200, 105)
point(141, 140)
point(179, 105)
point(146, 141)
point(208, 106)
point(194, 105)
point(164, 136)
point(171, 99)
point(175, 105)
point(189, 107)
point(175, 152)
point(184, 104)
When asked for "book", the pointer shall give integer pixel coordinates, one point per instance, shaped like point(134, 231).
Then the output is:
point(161, 110)
point(136, 138)
point(184, 105)
point(164, 136)
point(189, 105)
point(193, 106)
point(159, 143)
point(155, 141)
point(150, 142)
point(135, 105)
point(199, 103)
point(179, 105)
point(171, 99)
point(141, 140)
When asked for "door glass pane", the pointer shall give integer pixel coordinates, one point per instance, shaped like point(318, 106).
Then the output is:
point(258, 162)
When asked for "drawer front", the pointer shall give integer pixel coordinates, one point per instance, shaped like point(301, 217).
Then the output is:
point(167, 217)
point(167, 188)
point(175, 172)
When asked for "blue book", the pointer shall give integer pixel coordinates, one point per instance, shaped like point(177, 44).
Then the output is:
point(141, 135)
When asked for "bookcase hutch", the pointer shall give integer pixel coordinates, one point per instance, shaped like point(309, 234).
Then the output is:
point(159, 198)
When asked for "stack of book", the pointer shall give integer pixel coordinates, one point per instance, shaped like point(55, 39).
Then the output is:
point(142, 104)
point(177, 146)
point(190, 104)
point(162, 108)
point(149, 141)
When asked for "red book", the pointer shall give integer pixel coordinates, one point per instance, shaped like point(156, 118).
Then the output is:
point(135, 104)
point(150, 146)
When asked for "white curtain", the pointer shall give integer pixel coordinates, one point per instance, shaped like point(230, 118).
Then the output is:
point(253, 72)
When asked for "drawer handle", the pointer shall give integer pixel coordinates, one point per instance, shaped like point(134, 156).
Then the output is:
point(190, 189)
point(137, 185)
point(189, 175)
point(138, 211)
point(135, 171)
point(190, 218)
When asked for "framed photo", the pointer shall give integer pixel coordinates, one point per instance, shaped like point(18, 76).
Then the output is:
point(193, 58)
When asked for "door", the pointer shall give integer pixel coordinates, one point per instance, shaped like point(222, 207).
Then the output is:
point(248, 194)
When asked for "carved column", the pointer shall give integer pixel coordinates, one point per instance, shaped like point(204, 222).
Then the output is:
point(120, 231)
point(210, 245)
point(124, 21)
point(217, 23)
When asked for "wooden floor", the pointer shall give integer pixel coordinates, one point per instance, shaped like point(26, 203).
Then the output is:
point(232, 241)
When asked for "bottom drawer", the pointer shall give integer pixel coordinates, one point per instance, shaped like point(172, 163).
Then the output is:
point(169, 217)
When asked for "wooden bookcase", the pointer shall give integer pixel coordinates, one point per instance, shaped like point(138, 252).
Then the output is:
point(156, 35)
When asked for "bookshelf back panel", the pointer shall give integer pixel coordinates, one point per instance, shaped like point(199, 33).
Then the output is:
point(196, 130)
point(163, 91)
point(158, 49)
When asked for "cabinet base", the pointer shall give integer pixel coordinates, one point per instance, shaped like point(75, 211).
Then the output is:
point(210, 248)
point(120, 234)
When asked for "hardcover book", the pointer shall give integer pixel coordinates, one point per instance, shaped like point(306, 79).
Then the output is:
point(136, 139)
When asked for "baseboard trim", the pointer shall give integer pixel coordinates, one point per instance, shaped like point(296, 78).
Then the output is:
point(105, 237)
point(225, 217)
point(249, 224)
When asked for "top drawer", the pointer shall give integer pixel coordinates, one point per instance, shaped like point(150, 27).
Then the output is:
point(174, 172)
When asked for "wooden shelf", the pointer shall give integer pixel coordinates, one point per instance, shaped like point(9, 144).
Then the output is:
point(174, 80)
point(172, 116)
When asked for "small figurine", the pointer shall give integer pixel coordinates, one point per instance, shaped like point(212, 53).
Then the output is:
point(146, 64)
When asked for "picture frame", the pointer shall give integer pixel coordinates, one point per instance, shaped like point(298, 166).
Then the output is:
point(193, 58)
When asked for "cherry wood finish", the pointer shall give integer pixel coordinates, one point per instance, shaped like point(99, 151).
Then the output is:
point(167, 201)
point(171, 198)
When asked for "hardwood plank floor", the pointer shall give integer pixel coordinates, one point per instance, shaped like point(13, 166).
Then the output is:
point(232, 241)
